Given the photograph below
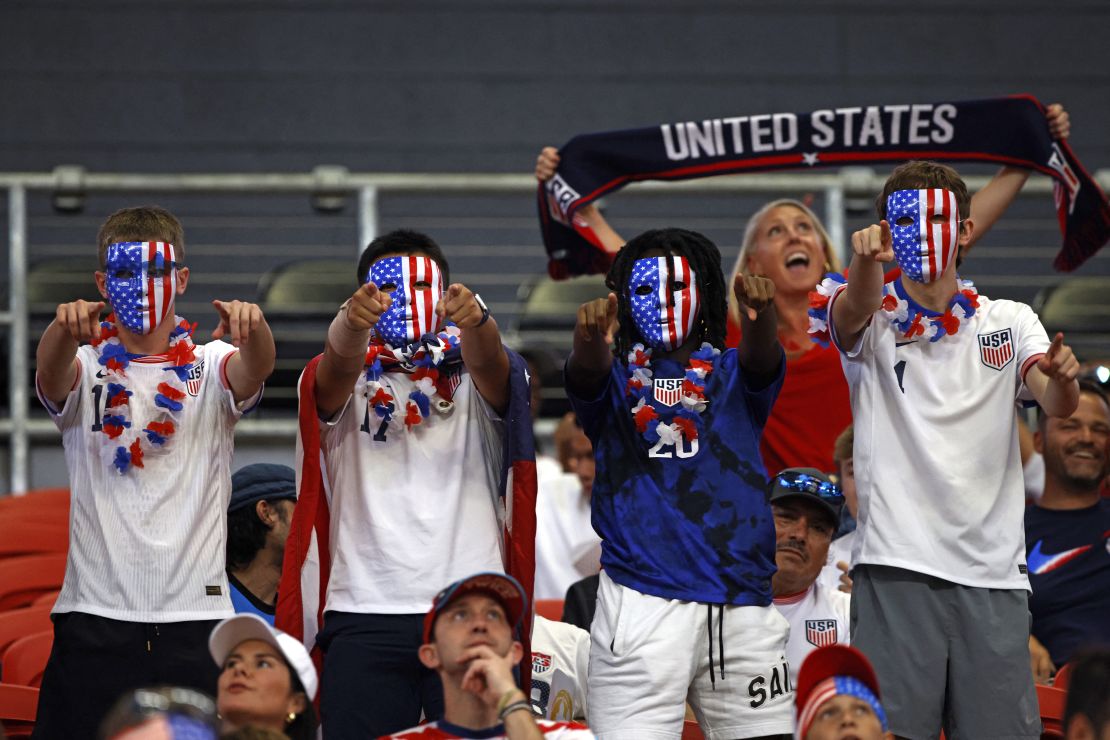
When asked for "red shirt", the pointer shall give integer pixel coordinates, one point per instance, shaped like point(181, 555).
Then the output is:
point(811, 411)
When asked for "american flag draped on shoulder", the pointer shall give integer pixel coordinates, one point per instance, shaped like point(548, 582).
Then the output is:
point(1010, 131)
point(307, 566)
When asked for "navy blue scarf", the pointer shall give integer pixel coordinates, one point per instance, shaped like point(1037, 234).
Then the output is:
point(1010, 131)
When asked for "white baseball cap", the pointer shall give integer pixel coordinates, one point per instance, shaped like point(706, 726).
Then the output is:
point(234, 630)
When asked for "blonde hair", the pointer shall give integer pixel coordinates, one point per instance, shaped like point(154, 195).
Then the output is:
point(751, 235)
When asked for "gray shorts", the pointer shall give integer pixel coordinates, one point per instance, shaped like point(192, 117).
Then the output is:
point(947, 652)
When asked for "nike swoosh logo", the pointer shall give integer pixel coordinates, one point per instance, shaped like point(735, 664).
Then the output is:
point(101, 374)
point(1041, 562)
point(903, 344)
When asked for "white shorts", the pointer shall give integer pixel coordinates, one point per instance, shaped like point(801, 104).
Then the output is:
point(648, 656)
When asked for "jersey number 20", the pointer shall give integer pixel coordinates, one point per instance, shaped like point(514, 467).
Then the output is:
point(685, 448)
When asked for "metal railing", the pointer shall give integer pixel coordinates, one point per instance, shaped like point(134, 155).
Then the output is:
point(338, 182)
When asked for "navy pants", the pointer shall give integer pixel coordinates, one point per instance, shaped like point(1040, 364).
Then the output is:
point(373, 682)
point(95, 660)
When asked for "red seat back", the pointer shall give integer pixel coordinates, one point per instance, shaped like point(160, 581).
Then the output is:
point(18, 708)
point(26, 577)
point(19, 623)
point(550, 609)
point(27, 536)
point(1052, 701)
point(25, 659)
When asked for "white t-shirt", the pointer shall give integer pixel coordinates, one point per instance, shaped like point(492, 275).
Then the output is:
point(413, 511)
point(148, 546)
point(560, 664)
point(818, 616)
point(840, 549)
point(936, 454)
point(567, 548)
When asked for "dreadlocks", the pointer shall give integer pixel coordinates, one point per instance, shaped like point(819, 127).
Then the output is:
point(704, 259)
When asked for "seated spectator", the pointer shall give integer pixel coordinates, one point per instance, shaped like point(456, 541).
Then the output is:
point(839, 564)
point(807, 507)
point(474, 648)
point(1087, 712)
point(567, 548)
point(838, 697)
point(262, 500)
point(560, 664)
point(267, 678)
point(161, 713)
point(1066, 535)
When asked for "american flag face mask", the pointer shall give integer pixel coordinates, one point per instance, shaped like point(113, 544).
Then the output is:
point(414, 283)
point(663, 292)
point(926, 240)
point(141, 278)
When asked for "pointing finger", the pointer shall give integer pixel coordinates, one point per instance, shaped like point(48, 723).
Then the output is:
point(1057, 343)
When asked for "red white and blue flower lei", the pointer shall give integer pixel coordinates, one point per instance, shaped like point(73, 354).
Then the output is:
point(687, 421)
point(910, 318)
point(427, 360)
point(116, 423)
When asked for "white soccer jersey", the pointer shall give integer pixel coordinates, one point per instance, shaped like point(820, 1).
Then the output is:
point(148, 546)
point(840, 549)
point(567, 547)
point(818, 616)
point(560, 664)
point(411, 510)
point(936, 449)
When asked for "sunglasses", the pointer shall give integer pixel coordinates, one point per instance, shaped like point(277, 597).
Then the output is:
point(805, 483)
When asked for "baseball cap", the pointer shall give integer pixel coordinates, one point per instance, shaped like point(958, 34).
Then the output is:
point(811, 485)
point(502, 587)
point(234, 630)
point(259, 481)
point(831, 671)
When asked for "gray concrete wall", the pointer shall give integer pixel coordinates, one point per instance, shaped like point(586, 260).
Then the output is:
point(478, 86)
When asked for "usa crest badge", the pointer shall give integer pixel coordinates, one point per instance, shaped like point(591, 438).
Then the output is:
point(996, 349)
point(667, 391)
point(196, 376)
point(540, 662)
point(821, 632)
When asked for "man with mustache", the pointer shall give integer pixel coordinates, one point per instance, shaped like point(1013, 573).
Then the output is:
point(807, 507)
point(1066, 535)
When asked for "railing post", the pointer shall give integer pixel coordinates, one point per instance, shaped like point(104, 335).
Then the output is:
point(17, 346)
point(834, 221)
point(367, 216)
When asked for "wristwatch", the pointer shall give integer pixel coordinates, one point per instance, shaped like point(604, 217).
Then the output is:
point(485, 311)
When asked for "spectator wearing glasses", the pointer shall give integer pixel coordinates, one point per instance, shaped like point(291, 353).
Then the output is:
point(807, 507)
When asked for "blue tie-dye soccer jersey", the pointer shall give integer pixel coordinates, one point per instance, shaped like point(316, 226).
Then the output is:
point(693, 523)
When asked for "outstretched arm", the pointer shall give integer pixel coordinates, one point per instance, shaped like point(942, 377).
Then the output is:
point(989, 204)
point(590, 358)
point(482, 351)
point(759, 351)
point(245, 325)
point(345, 348)
point(1052, 380)
point(871, 249)
point(546, 164)
point(56, 357)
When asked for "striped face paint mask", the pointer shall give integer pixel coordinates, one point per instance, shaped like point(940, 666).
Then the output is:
point(414, 283)
point(925, 231)
point(141, 279)
point(663, 292)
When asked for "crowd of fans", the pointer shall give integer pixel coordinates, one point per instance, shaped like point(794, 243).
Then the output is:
point(699, 586)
